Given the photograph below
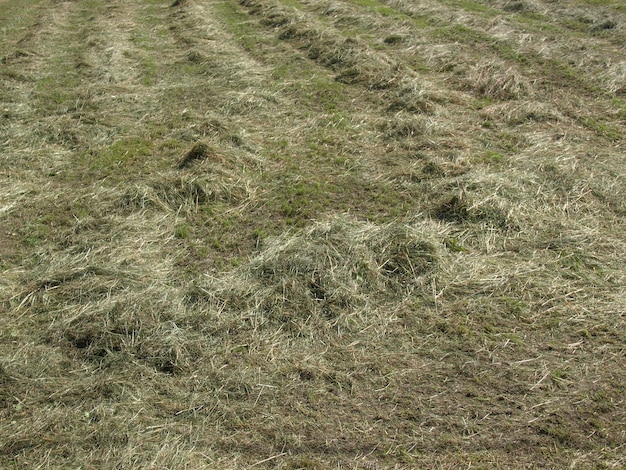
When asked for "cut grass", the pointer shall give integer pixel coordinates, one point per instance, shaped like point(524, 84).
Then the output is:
point(367, 234)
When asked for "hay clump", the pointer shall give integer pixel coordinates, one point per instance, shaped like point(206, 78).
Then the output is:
point(404, 125)
point(515, 113)
point(519, 7)
point(493, 211)
point(199, 152)
point(492, 79)
point(410, 96)
point(513, 201)
point(185, 193)
point(328, 273)
point(105, 332)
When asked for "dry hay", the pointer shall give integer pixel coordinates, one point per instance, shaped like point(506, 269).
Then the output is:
point(185, 193)
point(126, 326)
point(404, 125)
point(514, 113)
point(518, 6)
point(493, 79)
point(411, 96)
point(110, 303)
point(121, 352)
point(614, 78)
point(327, 274)
point(4, 377)
point(199, 152)
point(180, 193)
point(499, 201)
point(353, 61)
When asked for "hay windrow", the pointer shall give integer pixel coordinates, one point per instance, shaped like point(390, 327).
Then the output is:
point(353, 61)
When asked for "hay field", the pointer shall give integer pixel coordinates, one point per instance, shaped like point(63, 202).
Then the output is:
point(312, 234)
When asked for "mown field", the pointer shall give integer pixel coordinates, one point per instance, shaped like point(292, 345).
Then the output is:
point(312, 234)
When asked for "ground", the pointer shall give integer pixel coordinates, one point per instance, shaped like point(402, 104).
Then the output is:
point(357, 234)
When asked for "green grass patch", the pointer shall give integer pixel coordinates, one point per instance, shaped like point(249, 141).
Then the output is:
point(492, 157)
point(149, 71)
point(182, 231)
point(121, 159)
point(238, 22)
point(604, 129)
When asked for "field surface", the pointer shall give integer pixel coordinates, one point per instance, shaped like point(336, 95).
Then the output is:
point(312, 234)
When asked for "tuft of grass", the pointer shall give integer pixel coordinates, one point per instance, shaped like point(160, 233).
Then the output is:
point(182, 231)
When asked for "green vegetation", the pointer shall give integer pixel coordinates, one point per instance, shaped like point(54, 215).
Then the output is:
point(308, 234)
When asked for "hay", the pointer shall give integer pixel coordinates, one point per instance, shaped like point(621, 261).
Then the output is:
point(328, 272)
point(460, 293)
point(186, 193)
point(199, 152)
point(493, 79)
point(352, 60)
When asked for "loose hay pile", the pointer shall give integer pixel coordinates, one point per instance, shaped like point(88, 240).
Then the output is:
point(329, 274)
point(199, 152)
point(185, 194)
